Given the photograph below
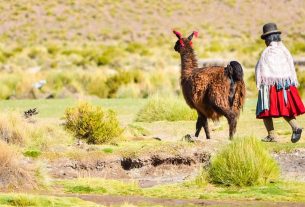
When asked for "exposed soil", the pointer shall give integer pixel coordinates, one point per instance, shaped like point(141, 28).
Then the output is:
point(148, 170)
point(153, 169)
point(292, 165)
point(109, 200)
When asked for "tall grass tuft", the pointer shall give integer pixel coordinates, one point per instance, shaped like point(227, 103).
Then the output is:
point(12, 128)
point(245, 162)
point(165, 109)
point(12, 173)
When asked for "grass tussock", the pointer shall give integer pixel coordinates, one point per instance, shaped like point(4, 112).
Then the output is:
point(13, 174)
point(245, 162)
point(34, 135)
point(93, 124)
point(165, 109)
point(12, 128)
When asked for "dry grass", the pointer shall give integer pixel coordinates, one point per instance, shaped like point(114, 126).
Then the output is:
point(31, 133)
point(13, 173)
point(12, 128)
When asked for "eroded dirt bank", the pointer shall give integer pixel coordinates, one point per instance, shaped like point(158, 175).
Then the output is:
point(153, 169)
point(148, 170)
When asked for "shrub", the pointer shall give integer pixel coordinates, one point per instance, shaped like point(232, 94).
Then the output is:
point(169, 109)
point(138, 48)
point(97, 86)
point(122, 78)
point(245, 162)
point(91, 123)
point(129, 91)
point(8, 83)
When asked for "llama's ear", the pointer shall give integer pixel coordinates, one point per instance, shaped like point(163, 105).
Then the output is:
point(193, 34)
point(178, 34)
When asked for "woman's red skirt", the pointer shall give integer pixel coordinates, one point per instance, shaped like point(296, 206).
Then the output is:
point(278, 107)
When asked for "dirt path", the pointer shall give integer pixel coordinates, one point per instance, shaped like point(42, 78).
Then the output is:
point(137, 200)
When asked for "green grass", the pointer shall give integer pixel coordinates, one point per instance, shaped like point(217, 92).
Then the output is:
point(54, 108)
point(244, 162)
point(100, 186)
point(32, 153)
point(280, 191)
point(166, 108)
point(24, 200)
point(284, 147)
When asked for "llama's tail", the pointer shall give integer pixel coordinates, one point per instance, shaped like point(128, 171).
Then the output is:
point(235, 73)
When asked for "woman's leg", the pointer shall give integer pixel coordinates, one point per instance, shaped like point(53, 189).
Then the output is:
point(296, 130)
point(292, 122)
point(268, 122)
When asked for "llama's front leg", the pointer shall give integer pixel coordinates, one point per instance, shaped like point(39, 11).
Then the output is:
point(199, 125)
point(232, 126)
point(206, 127)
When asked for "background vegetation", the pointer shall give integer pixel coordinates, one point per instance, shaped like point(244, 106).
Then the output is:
point(125, 49)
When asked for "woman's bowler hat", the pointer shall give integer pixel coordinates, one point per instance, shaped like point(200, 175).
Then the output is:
point(269, 29)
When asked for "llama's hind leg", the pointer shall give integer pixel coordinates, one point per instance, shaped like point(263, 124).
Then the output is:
point(231, 117)
point(202, 121)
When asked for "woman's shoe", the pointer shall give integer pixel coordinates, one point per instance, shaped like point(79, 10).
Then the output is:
point(296, 135)
point(269, 138)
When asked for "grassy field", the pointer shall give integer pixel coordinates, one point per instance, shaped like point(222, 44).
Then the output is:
point(74, 45)
point(51, 111)
point(127, 110)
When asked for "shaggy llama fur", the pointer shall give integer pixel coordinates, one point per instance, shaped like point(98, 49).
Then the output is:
point(212, 91)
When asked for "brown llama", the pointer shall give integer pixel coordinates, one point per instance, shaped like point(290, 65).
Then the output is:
point(212, 91)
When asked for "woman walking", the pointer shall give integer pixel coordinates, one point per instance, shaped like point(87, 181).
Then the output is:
point(276, 81)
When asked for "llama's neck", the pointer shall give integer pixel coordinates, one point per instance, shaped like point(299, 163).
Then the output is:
point(188, 63)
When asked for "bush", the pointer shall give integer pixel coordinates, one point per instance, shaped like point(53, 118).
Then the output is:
point(245, 162)
point(122, 78)
point(92, 123)
point(169, 109)
point(8, 83)
point(129, 91)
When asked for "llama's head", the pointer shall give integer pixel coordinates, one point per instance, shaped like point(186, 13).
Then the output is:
point(183, 43)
